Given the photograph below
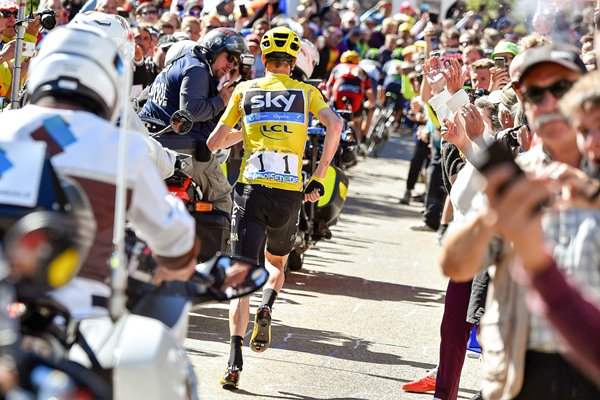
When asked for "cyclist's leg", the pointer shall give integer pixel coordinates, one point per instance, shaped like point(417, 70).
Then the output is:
point(248, 233)
point(357, 125)
point(276, 267)
point(281, 235)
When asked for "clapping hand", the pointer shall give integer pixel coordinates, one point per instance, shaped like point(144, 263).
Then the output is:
point(452, 132)
point(473, 122)
point(433, 73)
point(453, 75)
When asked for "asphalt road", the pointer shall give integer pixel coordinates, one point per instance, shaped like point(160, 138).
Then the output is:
point(359, 320)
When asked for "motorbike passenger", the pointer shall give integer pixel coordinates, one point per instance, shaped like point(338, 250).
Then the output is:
point(269, 191)
point(349, 81)
point(191, 83)
point(74, 86)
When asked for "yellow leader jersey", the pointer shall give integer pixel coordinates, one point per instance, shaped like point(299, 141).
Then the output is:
point(274, 112)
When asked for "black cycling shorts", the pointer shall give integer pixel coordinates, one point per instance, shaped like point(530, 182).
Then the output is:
point(261, 213)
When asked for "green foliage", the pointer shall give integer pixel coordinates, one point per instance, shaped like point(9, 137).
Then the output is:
point(489, 5)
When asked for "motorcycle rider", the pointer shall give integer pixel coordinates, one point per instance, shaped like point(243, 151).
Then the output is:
point(191, 83)
point(74, 87)
point(268, 194)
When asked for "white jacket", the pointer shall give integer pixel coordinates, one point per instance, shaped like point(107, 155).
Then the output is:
point(84, 147)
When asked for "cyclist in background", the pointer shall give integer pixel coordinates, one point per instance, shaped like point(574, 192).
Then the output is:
point(347, 87)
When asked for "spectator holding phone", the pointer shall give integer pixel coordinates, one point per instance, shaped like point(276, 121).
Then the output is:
point(503, 54)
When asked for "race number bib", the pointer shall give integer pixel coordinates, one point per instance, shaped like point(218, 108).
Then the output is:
point(273, 166)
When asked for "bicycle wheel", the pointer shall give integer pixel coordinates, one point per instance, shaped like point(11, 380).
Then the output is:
point(378, 135)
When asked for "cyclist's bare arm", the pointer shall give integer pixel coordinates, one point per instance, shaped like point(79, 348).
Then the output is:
point(333, 131)
point(223, 136)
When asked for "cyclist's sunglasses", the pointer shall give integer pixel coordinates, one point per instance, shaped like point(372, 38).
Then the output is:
point(8, 13)
point(536, 94)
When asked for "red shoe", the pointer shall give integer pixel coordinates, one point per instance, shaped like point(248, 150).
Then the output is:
point(422, 385)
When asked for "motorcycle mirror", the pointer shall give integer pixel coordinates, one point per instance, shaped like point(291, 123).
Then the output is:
point(230, 277)
point(181, 122)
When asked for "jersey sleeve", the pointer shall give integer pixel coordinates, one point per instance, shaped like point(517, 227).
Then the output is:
point(232, 114)
point(316, 101)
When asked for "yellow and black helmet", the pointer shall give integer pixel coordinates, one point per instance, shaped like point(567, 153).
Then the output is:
point(281, 40)
point(350, 56)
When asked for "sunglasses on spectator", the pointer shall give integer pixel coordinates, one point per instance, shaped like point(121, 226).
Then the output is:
point(233, 59)
point(536, 94)
point(8, 13)
point(195, 12)
point(151, 12)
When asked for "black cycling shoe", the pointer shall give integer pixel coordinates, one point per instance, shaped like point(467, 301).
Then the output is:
point(231, 379)
point(261, 334)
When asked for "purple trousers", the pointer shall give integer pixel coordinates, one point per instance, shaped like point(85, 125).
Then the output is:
point(454, 334)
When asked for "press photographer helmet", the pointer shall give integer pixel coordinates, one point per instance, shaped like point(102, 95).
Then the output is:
point(222, 39)
point(78, 65)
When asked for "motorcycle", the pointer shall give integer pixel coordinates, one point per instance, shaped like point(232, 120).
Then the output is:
point(317, 218)
point(140, 355)
point(136, 354)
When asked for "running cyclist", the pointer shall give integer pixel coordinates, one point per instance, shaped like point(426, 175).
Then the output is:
point(268, 195)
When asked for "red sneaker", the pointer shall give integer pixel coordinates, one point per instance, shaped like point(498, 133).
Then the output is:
point(422, 385)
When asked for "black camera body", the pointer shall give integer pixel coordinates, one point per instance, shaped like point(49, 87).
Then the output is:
point(508, 137)
point(246, 64)
point(47, 18)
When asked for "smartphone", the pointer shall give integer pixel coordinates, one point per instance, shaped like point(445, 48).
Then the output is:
point(243, 10)
point(434, 17)
point(500, 62)
point(494, 155)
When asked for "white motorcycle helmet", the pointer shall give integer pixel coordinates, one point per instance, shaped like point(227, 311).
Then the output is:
point(307, 59)
point(113, 26)
point(178, 49)
point(79, 65)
